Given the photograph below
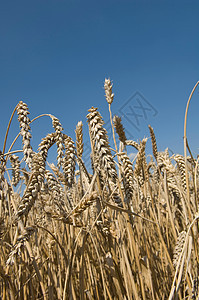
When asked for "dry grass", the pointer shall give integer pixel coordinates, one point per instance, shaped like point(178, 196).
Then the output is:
point(129, 230)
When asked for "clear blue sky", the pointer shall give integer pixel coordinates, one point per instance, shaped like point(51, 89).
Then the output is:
point(55, 54)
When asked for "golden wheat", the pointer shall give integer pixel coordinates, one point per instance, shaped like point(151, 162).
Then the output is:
point(125, 232)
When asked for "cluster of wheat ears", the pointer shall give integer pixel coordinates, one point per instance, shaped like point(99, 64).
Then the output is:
point(126, 230)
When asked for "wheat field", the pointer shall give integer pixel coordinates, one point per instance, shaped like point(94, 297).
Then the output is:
point(122, 229)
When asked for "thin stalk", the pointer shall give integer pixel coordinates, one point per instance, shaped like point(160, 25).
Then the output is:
point(185, 141)
point(118, 157)
point(29, 249)
point(14, 141)
point(5, 140)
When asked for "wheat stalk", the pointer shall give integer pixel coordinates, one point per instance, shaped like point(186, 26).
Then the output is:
point(74, 236)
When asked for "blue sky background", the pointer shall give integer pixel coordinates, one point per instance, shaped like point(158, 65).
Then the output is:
point(55, 54)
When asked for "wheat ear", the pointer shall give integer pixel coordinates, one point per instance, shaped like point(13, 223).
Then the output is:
point(57, 192)
point(69, 160)
point(132, 143)
point(22, 111)
point(181, 165)
point(101, 145)
point(15, 163)
point(141, 159)
point(153, 141)
point(108, 90)
point(119, 129)
point(59, 140)
point(34, 185)
point(178, 247)
point(79, 139)
point(128, 178)
point(46, 143)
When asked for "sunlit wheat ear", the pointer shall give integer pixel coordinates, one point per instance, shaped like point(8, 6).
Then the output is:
point(95, 162)
point(119, 129)
point(164, 161)
point(79, 139)
point(15, 163)
point(85, 203)
point(46, 143)
point(34, 185)
point(79, 149)
point(108, 91)
point(164, 164)
point(172, 185)
point(25, 236)
point(141, 159)
point(22, 111)
point(132, 143)
point(181, 166)
point(72, 220)
point(128, 178)
point(178, 247)
point(153, 141)
point(100, 142)
point(59, 140)
point(57, 192)
point(166, 151)
point(97, 168)
point(69, 160)
point(59, 174)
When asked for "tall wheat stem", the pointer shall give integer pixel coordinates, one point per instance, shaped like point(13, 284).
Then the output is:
point(186, 170)
point(113, 130)
point(29, 249)
point(185, 141)
point(4, 145)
